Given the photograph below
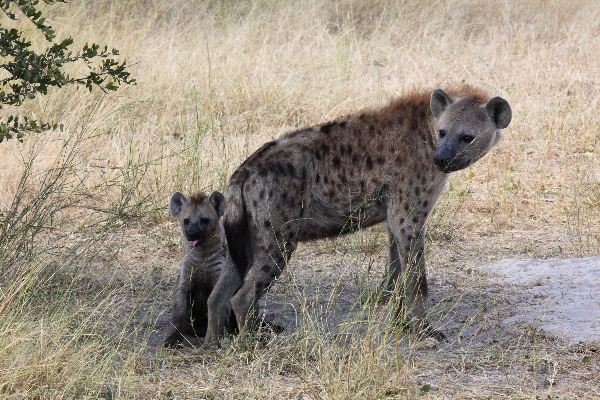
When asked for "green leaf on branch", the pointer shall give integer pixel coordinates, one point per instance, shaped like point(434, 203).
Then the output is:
point(29, 73)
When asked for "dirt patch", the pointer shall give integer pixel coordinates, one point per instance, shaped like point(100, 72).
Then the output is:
point(562, 297)
point(492, 349)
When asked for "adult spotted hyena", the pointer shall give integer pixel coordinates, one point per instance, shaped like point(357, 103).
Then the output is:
point(387, 165)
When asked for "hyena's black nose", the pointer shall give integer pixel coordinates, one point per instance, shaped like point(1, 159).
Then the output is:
point(440, 160)
point(444, 155)
point(195, 233)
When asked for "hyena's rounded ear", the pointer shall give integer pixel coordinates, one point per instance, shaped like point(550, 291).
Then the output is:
point(439, 101)
point(500, 112)
point(218, 201)
point(178, 201)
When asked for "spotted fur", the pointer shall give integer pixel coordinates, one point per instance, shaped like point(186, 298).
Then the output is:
point(204, 242)
point(383, 165)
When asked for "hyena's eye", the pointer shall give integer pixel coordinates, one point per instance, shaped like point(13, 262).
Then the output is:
point(204, 221)
point(186, 221)
point(467, 138)
point(442, 133)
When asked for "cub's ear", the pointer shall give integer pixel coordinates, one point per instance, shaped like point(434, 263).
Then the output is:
point(218, 202)
point(500, 112)
point(178, 201)
point(439, 101)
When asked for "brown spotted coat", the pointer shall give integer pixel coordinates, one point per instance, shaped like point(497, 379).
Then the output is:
point(330, 179)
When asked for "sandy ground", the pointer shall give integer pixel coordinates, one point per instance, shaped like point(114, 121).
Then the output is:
point(515, 328)
point(562, 297)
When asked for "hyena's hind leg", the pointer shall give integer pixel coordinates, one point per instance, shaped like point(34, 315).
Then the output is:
point(391, 282)
point(219, 305)
point(269, 262)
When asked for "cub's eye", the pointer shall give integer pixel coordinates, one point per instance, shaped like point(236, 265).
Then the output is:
point(204, 221)
point(186, 221)
point(442, 133)
point(467, 138)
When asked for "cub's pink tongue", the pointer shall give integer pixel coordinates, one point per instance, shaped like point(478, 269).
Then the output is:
point(193, 243)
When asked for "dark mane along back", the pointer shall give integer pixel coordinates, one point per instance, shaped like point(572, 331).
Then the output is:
point(417, 101)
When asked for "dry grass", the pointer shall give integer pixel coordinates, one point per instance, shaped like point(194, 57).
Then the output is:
point(88, 255)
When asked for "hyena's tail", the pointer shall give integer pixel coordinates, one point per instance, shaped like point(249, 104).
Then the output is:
point(236, 225)
point(235, 219)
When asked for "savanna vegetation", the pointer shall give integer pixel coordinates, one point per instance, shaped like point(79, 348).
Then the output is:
point(89, 254)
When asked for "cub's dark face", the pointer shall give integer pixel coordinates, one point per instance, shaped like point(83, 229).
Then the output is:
point(198, 216)
point(466, 130)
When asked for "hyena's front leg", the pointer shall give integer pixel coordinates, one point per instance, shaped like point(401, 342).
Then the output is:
point(219, 303)
point(180, 312)
point(413, 280)
point(394, 267)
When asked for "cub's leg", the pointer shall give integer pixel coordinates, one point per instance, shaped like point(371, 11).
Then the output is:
point(199, 310)
point(180, 313)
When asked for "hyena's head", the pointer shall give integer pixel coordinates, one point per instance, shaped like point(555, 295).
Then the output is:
point(198, 216)
point(467, 128)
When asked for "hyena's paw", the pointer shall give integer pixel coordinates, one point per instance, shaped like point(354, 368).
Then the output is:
point(380, 296)
point(212, 341)
point(174, 340)
point(271, 326)
point(163, 320)
point(425, 330)
point(421, 329)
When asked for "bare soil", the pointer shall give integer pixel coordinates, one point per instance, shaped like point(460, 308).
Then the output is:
point(562, 296)
point(515, 328)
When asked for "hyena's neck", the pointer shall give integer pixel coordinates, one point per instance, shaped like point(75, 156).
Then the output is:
point(207, 254)
point(404, 127)
point(398, 137)
point(410, 118)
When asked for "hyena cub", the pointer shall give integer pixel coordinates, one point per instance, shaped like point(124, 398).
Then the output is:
point(204, 241)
